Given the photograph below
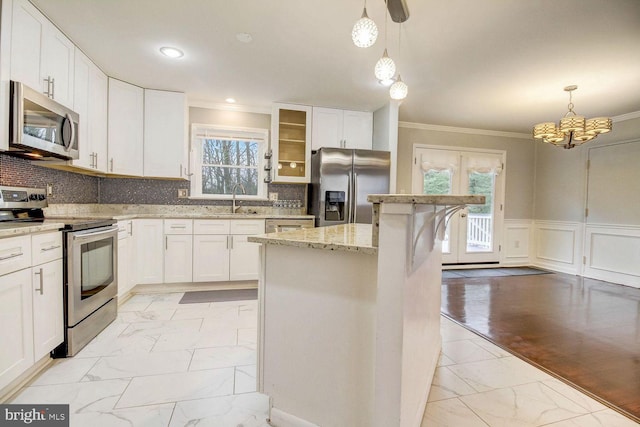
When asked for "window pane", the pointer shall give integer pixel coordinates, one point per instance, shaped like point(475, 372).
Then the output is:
point(480, 218)
point(230, 152)
point(437, 182)
point(221, 180)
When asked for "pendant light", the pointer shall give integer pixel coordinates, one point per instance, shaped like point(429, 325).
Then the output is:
point(365, 31)
point(399, 89)
point(385, 68)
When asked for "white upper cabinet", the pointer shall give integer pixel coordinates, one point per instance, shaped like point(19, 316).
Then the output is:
point(165, 134)
point(341, 129)
point(291, 143)
point(125, 128)
point(90, 102)
point(41, 56)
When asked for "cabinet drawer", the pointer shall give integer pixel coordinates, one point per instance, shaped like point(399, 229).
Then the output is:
point(46, 247)
point(211, 226)
point(247, 226)
point(15, 254)
point(124, 229)
point(178, 226)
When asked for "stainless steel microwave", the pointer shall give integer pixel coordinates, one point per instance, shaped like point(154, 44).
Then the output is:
point(39, 127)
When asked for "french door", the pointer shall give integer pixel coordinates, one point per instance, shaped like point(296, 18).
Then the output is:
point(472, 234)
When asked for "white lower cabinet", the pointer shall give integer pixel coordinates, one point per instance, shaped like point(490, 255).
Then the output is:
point(149, 250)
point(31, 301)
point(125, 253)
point(211, 258)
point(16, 318)
point(221, 251)
point(178, 255)
point(48, 315)
point(244, 258)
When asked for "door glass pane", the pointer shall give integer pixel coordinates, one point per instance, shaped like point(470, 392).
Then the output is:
point(439, 182)
point(292, 143)
point(480, 218)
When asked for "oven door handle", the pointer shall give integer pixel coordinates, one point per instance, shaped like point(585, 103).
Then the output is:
point(111, 230)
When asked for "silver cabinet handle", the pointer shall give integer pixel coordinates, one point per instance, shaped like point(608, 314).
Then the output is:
point(231, 241)
point(11, 256)
point(227, 242)
point(41, 288)
point(179, 226)
point(50, 248)
point(131, 228)
point(48, 91)
point(166, 243)
point(111, 164)
point(180, 170)
point(53, 90)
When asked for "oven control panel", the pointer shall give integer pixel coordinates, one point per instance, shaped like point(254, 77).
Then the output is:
point(22, 197)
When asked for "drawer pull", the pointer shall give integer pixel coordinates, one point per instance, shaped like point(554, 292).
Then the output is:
point(178, 226)
point(50, 248)
point(11, 256)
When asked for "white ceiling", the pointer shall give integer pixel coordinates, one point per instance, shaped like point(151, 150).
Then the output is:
point(484, 64)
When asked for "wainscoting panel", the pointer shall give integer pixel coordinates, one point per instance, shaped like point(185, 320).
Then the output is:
point(558, 246)
point(613, 254)
point(516, 246)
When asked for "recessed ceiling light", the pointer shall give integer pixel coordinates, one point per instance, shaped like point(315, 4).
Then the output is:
point(244, 37)
point(230, 100)
point(171, 52)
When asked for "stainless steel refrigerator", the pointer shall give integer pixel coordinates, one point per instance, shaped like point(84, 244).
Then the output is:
point(341, 180)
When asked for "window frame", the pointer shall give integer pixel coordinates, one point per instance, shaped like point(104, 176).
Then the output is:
point(200, 132)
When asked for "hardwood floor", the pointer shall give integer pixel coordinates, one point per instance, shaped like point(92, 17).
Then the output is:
point(584, 331)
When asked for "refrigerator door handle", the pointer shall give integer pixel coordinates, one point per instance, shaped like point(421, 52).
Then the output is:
point(349, 198)
point(355, 196)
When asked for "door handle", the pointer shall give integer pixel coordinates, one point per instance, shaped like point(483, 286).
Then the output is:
point(41, 288)
point(463, 215)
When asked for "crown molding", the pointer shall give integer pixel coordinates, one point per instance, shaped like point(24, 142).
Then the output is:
point(439, 128)
point(229, 107)
point(627, 116)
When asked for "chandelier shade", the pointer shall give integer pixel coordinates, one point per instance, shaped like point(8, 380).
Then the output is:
point(385, 68)
point(572, 129)
point(398, 90)
point(365, 31)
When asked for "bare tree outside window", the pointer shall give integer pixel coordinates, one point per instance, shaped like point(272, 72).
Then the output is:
point(227, 162)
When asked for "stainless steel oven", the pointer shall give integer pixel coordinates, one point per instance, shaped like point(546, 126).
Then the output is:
point(91, 283)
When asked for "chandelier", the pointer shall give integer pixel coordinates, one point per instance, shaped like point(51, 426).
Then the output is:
point(572, 130)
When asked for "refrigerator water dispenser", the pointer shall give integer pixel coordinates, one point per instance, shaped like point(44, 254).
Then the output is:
point(334, 206)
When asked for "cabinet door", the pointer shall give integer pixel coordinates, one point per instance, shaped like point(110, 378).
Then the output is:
point(58, 64)
point(210, 258)
point(16, 333)
point(165, 136)
point(81, 106)
point(291, 143)
point(178, 258)
point(48, 308)
point(358, 130)
point(124, 260)
point(244, 261)
point(149, 250)
point(27, 30)
point(327, 128)
point(98, 98)
point(125, 128)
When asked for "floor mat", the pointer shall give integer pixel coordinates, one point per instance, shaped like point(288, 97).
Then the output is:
point(492, 272)
point(584, 331)
point(219, 296)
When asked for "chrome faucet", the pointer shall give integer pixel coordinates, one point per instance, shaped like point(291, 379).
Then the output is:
point(235, 208)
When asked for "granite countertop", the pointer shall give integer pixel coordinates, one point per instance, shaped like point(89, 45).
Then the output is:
point(123, 217)
point(346, 237)
point(20, 229)
point(427, 199)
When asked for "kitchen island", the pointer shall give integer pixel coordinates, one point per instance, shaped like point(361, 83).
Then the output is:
point(349, 322)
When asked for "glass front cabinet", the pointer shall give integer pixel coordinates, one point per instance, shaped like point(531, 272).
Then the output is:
point(291, 143)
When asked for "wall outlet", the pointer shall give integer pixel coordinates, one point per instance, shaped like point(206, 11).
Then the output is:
point(49, 190)
point(273, 196)
point(183, 193)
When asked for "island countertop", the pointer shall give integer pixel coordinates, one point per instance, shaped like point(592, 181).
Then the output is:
point(427, 199)
point(345, 237)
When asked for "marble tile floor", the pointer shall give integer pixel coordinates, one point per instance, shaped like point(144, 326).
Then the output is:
point(165, 364)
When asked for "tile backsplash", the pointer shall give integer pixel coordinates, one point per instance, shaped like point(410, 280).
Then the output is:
point(69, 187)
